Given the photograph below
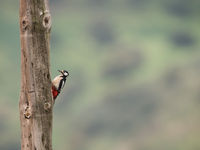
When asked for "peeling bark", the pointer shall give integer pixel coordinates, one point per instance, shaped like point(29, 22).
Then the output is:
point(36, 103)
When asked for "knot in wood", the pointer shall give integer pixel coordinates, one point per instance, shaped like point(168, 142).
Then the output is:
point(25, 23)
point(47, 106)
point(27, 113)
point(47, 21)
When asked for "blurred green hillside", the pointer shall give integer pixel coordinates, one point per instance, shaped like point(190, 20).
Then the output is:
point(134, 74)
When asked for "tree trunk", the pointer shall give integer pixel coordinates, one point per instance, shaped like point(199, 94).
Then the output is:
point(36, 103)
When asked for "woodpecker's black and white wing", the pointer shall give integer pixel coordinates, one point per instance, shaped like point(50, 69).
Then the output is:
point(62, 84)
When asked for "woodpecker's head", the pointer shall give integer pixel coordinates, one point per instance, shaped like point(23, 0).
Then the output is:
point(64, 73)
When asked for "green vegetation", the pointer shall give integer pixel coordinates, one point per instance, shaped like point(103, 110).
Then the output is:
point(134, 74)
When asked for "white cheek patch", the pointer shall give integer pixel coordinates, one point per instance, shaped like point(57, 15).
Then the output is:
point(66, 74)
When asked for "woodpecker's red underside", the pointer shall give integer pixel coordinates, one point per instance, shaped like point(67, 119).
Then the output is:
point(54, 92)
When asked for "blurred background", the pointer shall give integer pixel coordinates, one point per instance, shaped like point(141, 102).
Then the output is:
point(134, 74)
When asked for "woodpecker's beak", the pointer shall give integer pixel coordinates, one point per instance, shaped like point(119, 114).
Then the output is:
point(60, 71)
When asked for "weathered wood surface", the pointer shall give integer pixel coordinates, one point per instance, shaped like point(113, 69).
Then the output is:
point(35, 97)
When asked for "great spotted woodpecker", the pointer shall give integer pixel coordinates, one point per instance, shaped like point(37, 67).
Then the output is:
point(58, 83)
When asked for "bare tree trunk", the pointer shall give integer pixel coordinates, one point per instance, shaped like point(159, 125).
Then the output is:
point(35, 99)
